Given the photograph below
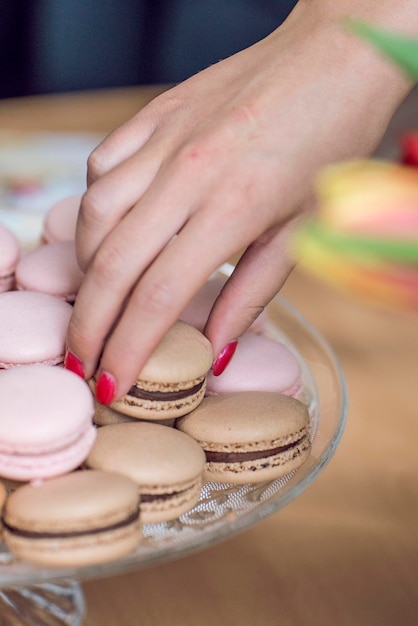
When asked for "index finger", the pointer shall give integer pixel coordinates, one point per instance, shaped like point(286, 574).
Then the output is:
point(110, 198)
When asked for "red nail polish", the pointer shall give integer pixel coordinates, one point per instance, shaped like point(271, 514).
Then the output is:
point(224, 358)
point(73, 363)
point(105, 388)
point(409, 148)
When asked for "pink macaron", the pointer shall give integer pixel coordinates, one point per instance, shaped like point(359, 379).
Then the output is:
point(197, 311)
point(259, 364)
point(51, 268)
point(9, 257)
point(61, 220)
point(33, 328)
point(46, 424)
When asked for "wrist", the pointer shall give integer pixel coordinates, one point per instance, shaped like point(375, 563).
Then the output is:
point(400, 15)
point(321, 25)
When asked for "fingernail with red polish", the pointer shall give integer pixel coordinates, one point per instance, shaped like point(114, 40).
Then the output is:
point(73, 363)
point(105, 388)
point(224, 358)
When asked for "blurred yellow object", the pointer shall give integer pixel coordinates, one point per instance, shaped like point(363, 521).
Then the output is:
point(364, 238)
point(369, 198)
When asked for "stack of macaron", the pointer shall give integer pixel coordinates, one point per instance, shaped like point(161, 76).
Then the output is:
point(54, 514)
point(50, 266)
point(364, 239)
point(82, 477)
point(249, 427)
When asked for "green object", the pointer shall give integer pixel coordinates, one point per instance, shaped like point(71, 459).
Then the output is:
point(402, 50)
point(398, 251)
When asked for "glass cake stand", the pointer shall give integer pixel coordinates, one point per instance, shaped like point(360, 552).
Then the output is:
point(52, 597)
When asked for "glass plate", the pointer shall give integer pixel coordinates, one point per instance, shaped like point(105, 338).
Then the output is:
point(224, 510)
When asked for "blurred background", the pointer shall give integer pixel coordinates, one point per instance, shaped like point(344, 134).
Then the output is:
point(50, 46)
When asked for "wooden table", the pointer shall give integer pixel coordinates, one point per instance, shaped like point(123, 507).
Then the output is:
point(345, 553)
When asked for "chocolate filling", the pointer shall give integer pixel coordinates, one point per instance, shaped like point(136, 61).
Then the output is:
point(143, 394)
point(151, 497)
point(239, 457)
point(77, 533)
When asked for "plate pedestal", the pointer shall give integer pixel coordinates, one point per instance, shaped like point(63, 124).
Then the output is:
point(46, 604)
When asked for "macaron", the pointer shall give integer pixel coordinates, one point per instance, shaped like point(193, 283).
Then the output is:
point(197, 311)
point(9, 257)
point(173, 380)
point(33, 328)
point(46, 424)
point(259, 364)
point(82, 518)
point(105, 416)
point(166, 464)
point(61, 220)
point(51, 268)
point(249, 437)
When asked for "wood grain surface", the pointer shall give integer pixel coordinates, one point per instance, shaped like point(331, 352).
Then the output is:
point(345, 553)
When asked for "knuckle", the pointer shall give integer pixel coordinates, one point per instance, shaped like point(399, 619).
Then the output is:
point(156, 297)
point(96, 164)
point(109, 264)
point(93, 209)
point(168, 102)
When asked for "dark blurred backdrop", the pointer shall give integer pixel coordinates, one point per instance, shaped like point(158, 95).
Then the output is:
point(69, 45)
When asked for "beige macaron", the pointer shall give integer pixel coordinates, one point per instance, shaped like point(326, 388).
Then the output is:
point(105, 416)
point(166, 464)
point(78, 519)
point(251, 436)
point(173, 380)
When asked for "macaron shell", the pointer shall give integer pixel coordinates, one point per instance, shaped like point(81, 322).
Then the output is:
point(42, 408)
point(183, 354)
point(33, 328)
point(52, 269)
point(106, 416)
point(61, 220)
point(80, 501)
point(250, 420)
point(157, 456)
point(34, 467)
point(259, 364)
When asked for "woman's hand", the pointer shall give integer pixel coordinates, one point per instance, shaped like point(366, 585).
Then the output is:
point(220, 164)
